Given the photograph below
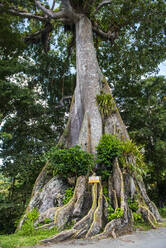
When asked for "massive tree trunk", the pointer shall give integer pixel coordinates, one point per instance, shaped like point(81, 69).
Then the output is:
point(85, 123)
point(85, 127)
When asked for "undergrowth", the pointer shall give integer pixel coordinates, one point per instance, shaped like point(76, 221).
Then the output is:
point(162, 212)
point(72, 162)
point(68, 195)
point(27, 235)
point(17, 240)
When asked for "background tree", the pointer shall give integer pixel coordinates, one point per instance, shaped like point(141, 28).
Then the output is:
point(32, 114)
point(143, 110)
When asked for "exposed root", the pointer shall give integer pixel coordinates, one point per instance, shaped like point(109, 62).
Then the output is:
point(112, 194)
point(152, 207)
point(80, 228)
point(123, 224)
point(110, 229)
point(96, 226)
point(118, 185)
point(40, 181)
point(90, 225)
point(63, 213)
point(60, 236)
point(86, 221)
point(45, 226)
point(148, 216)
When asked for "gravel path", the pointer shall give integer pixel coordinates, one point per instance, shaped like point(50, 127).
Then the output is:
point(139, 239)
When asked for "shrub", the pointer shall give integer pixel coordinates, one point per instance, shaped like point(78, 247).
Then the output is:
point(111, 147)
point(108, 149)
point(137, 218)
point(130, 148)
point(133, 205)
point(47, 221)
point(70, 162)
point(28, 227)
point(117, 214)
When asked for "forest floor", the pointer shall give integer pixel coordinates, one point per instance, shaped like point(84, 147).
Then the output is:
point(154, 238)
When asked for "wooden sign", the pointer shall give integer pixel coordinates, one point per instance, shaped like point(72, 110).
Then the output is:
point(94, 179)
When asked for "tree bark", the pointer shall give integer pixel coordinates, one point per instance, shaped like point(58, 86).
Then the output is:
point(85, 124)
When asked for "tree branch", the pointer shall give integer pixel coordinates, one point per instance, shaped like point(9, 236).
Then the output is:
point(53, 4)
point(42, 35)
point(50, 12)
point(102, 4)
point(61, 102)
point(21, 13)
point(64, 98)
point(67, 12)
point(110, 35)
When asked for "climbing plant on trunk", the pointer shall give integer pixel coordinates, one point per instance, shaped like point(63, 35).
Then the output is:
point(93, 113)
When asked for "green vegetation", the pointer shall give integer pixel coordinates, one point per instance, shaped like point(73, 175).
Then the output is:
point(72, 162)
point(133, 205)
point(162, 224)
point(27, 235)
point(47, 220)
point(111, 147)
point(28, 227)
point(68, 195)
point(143, 108)
point(18, 240)
point(108, 149)
point(106, 104)
point(117, 214)
point(35, 82)
point(137, 218)
point(130, 148)
point(142, 226)
point(163, 212)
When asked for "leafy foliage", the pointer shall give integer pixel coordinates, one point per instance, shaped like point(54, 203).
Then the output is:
point(28, 227)
point(137, 218)
point(163, 212)
point(70, 162)
point(29, 129)
point(106, 104)
point(133, 205)
point(68, 195)
point(111, 147)
point(108, 149)
point(47, 220)
point(144, 112)
point(31, 116)
point(130, 148)
point(117, 214)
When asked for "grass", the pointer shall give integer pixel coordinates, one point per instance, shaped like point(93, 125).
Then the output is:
point(142, 226)
point(17, 240)
point(145, 226)
point(163, 223)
